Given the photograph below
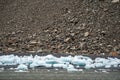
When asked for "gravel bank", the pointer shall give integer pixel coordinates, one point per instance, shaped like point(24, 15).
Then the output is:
point(60, 26)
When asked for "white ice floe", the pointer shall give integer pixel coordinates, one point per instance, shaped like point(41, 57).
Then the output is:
point(7, 60)
point(70, 63)
point(60, 65)
point(89, 66)
point(71, 68)
point(50, 57)
point(112, 62)
point(37, 63)
point(48, 65)
point(22, 67)
point(1, 63)
point(81, 60)
point(66, 59)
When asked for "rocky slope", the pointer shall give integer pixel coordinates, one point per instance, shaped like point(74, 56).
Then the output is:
point(60, 26)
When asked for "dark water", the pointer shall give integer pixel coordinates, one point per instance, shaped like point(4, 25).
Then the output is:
point(52, 74)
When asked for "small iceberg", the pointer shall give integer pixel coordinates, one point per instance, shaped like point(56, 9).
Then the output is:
point(79, 61)
point(69, 63)
point(71, 68)
point(22, 67)
point(89, 66)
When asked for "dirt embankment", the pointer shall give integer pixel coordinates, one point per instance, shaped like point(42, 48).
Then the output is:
point(60, 26)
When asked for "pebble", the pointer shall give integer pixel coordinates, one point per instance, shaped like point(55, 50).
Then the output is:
point(40, 50)
point(11, 49)
point(32, 51)
point(86, 34)
point(34, 42)
point(67, 39)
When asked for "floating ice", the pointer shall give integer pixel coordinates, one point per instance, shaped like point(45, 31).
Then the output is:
point(71, 68)
point(69, 63)
point(51, 62)
point(50, 57)
point(1, 63)
point(48, 65)
point(36, 63)
point(60, 65)
point(66, 59)
point(22, 67)
point(81, 60)
point(7, 59)
point(108, 66)
point(89, 66)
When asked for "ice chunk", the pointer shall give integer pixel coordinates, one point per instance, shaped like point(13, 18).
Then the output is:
point(108, 66)
point(78, 62)
point(48, 65)
point(26, 60)
point(66, 59)
point(37, 63)
point(7, 59)
point(1, 63)
point(81, 60)
point(34, 64)
point(99, 65)
point(51, 61)
point(89, 66)
point(71, 68)
point(64, 66)
point(50, 57)
point(113, 62)
point(101, 60)
point(22, 67)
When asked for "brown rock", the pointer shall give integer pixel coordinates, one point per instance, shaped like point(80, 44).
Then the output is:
point(83, 24)
point(114, 54)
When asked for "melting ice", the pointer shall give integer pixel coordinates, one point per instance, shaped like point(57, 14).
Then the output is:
point(69, 63)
